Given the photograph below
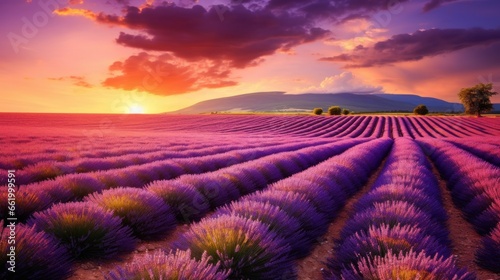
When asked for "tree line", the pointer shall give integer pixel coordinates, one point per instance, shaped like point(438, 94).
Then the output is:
point(476, 101)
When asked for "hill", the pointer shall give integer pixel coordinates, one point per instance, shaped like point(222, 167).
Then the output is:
point(281, 102)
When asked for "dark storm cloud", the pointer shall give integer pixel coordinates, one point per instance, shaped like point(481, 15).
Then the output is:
point(241, 37)
point(334, 10)
point(433, 4)
point(416, 46)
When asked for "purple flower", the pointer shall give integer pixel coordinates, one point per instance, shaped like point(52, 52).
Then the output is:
point(187, 203)
point(488, 255)
point(40, 171)
point(408, 194)
point(245, 248)
point(407, 266)
point(217, 193)
point(81, 185)
point(382, 239)
point(235, 179)
point(176, 266)
point(143, 211)
point(270, 171)
point(296, 205)
point(393, 214)
point(27, 202)
point(278, 221)
point(37, 255)
point(56, 191)
point(85, 229)
point(314, 193)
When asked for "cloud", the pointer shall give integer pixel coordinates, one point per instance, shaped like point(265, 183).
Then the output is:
point(433, 4)
point(242, 37)
point(343, 82)
point(442, 76)
point(167, 75)
point(331, 10)
point(99, 17)
point(75, 12)
point(75, 80)
point(416, 46)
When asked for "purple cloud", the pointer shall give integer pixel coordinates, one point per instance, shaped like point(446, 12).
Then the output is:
point(433, 4)
point(416, 46)
point(241, 36)
point(335, 10)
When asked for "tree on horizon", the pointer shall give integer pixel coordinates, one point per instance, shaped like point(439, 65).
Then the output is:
point(476, 99)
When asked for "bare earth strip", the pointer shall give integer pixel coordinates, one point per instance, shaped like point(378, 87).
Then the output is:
point(310, 267)
point(465, 240)
point(89, 270)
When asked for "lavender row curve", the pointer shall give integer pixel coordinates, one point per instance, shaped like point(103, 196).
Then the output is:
point(51, 169)
point(73, 187)
point(107, 224)
point(398, 228)
point(474, 186)
point(259, 236)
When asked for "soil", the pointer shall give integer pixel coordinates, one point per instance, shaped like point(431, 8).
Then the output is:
point(465, 239)
point(312, 266)
point(90, 270)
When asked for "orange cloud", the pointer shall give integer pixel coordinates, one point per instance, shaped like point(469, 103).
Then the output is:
point(76, 80)
point(76, 12)
point(167, 75)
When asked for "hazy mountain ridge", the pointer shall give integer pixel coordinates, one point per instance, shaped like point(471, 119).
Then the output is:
point(279, 101)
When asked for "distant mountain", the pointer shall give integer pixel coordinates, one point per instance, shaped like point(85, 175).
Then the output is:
point(279, 102)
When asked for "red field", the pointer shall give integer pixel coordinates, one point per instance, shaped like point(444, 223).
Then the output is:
point(249, 197)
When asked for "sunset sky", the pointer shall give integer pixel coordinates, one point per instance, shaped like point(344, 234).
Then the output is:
point(116, 56)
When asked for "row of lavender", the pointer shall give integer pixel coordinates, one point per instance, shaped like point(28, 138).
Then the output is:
point(107, 223)
point(478, 147)
point(260, 236)
point(51, 169)
point(392, 126)
point(398, 229)
point(73, 187)
point(370, 126)
point(20, 156)
point(474, 184)
point(64, 154)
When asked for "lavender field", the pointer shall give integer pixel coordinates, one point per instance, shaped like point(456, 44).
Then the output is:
point(249, 197)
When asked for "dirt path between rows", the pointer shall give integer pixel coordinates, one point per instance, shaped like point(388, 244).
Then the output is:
point(88, 270)
point(311, 267)
point(465, 240)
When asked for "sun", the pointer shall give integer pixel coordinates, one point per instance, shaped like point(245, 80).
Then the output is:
point(136, 109)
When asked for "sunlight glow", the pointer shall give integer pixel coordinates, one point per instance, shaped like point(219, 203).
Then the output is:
point(136, 109)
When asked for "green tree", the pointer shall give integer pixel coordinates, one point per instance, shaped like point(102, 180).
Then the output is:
point(476, 99)
point(345, 112)
point(318, 111)
point(334, 110)
point(421, 110)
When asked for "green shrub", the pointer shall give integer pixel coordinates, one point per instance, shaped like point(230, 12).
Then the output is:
point(334, 110)
point(318, 111)
point(421, 110)
point(346, 112)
